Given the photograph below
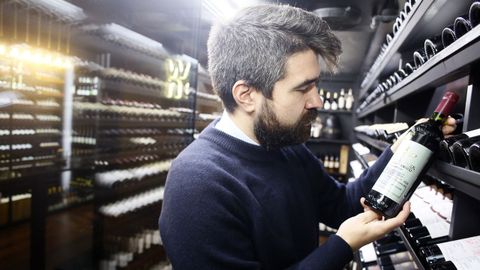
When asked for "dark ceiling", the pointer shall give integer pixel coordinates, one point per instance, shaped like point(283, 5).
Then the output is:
point(181, 25)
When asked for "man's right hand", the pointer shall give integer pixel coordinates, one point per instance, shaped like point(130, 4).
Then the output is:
point(369, 226)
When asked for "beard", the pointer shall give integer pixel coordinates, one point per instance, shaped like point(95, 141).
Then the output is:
point(273, 135)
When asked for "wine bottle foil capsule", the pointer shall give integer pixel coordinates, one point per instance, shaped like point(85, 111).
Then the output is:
point(389, 38)
point(409, 69)
point(393, 79)
point(407, 8)
point(397, 76)
point(403, 16)
point(448, 37)
point(461, 26)
point(396, 25)
point(432, 47)
point(385, 86)
point(402, 73)
point(474, 14)
point(419, 58)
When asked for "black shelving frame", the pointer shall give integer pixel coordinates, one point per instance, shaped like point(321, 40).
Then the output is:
point(456, 68)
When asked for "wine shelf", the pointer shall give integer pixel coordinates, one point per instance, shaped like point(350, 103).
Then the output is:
point(147, 92)
point(418, 11)
point(427, 19)
point(449, 64)
point(202, 101)
point(377, 144)
point(361, 160)
point(464, 180)
point(131, 123)
point(131, 187)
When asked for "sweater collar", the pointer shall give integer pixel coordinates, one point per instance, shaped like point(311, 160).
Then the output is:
point(239, 147)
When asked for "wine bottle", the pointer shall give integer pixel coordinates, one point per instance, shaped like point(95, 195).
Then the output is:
point(409, 69)
point(408, 265)
point(390, 248)
point(402, 174)
point(448, 36)
point(474, 14)
point(395, 258)
point(334, 104)
point(459, 150)
point(327, 102)
point(461, 26)
point(444, 152)
point(432, 46)
point(474, 156)
point(341, 100)
point(447, 265)
point(419, 58)
point(349, 100)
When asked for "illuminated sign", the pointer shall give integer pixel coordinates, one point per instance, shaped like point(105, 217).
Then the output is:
point(178, 85)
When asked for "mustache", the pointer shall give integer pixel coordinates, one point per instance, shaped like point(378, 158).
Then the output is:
point(309, 116)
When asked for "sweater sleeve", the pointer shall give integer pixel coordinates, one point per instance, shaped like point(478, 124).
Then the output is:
point(335, 253)
point(338, 201)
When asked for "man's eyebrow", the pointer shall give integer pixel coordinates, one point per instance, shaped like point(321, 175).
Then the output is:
point(306, 82)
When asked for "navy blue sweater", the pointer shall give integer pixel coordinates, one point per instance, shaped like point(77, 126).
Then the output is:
point(233, 205)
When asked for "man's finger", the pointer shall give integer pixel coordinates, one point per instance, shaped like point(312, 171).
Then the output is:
point(394, 222)
point(369, 216)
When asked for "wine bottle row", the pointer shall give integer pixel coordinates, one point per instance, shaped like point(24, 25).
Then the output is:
point(392, 254)
point(399, 21)
point(123, 249)
point(115, 177)
point(337, 101)
point(89, 110)
point(431, 46)
point(388, 132)
point(20, 208)
point(462, 150)
point(127, 76)
point(131, 204)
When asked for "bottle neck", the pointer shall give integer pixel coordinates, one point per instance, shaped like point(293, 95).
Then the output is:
point(438, 118)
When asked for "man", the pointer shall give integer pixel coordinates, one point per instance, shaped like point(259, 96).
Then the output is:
point(247, 194)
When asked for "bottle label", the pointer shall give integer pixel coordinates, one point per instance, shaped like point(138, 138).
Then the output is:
point(402, 170)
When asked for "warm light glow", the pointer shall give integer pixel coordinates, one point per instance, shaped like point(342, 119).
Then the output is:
point(26, 54)
point(14, 52)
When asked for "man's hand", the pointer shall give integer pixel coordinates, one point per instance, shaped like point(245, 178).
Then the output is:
point(448, 127)
point(369, 226)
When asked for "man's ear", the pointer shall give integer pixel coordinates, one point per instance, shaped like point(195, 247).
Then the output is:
point(245, 96)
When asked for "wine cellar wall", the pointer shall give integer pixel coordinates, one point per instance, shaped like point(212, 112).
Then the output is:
point(92, 114)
